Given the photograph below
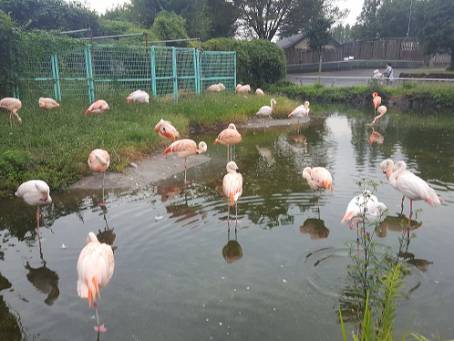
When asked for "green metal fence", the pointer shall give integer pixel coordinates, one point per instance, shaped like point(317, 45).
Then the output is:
point(101, 71)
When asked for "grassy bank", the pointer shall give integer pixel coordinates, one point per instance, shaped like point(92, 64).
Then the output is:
point(414, 97)
point(54, 145)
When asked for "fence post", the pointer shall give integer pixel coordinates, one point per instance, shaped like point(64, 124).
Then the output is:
point(56, 76)
point(174, 73)
point(154, 90)
point(89, 72)
point(199, 70)
point(195, 55)
point(234, 69)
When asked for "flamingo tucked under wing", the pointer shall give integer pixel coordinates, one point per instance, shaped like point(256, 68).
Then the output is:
point(232, 185)
point(243, 89)
point(259, 92)
point(228, 137)
point(218, 87)
point(95, 268)
point(97, 107)
point(48, 103)
point(166, 130)
point(185, 148)
point(266, 110)
point(13, 105)
point(138, 96)
point(318, 178)
point(99, 161)
point(364, 205)
point(35, 193)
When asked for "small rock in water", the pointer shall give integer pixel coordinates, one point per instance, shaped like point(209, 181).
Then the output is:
point(158, 217)
point(274, 309)
point(207, 319)
point(284, 280)
point(133, 165)
point(248, 288)
point(63, 246)
point(234, 290)
point(222, 277)
point(220, 324)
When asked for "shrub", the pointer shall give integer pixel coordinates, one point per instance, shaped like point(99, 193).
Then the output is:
point(259, 62)
point(168, 25)
point(8, 37)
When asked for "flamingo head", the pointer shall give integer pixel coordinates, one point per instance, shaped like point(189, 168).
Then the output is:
point(375, 94)
point(306, 104)
point(158, 125)
point(387, 166)
point(202, 147)
point(382, 109)
point(232, 126)
point(307, 173)
point(91, 238)
point(238, 86)
point(273, 102)
point(232, 167)
point(348, 216)
point(401, 165)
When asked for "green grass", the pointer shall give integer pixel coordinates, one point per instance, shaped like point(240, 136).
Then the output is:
point(54, 145)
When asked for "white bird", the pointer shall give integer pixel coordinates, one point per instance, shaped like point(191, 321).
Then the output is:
point(413, 187)
point(95, 268)
point(218, 87)
point(266, 110)
point(388, 168)
point(232, 185)
point(301, 111)
point(35, 193)
point(138, 96)
point(259, 92)
point(243, 89)
point(364, 205)
point(13, 105)
point(47, 103)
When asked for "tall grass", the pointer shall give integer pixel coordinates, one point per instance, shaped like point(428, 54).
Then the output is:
point(54, 145)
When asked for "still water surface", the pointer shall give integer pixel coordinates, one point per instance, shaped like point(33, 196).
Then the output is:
point(181, 275)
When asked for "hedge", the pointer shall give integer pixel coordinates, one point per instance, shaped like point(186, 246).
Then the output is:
point(259, 62)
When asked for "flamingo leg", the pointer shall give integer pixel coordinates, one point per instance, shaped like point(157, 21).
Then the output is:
point(37, 220)
point(228, 154)
point(236, 213)
point(185, 159)
point(103, 180)
point(402, 205)
point(100, 328)
point(228, 216)
point(411, 208)
point(10, 119)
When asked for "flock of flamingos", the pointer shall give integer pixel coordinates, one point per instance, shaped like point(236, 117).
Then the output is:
point(95, 265)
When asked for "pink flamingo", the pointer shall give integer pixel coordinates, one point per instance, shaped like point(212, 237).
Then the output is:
point(232, 185)
point(166, 130)
point(138, 96)
point(318, 178)
point(97, 107)
point(376, 100)
point(413, 187)
point(376, 137)
point(365, 204)
point(35, 193)
point(48, 103)
point(99, 161)
point(259, 92)
point(95, 268)
point(387, 167)
point(228, 137)
point(243, 89)
point(12, 105)
point(185, 148)
point(381, 112)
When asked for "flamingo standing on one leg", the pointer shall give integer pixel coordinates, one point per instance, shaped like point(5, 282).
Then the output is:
point(35, 193)
point(301, 111)
point(413, 187)
point(95, 268)
point(387, 166)
point(228, 137)
point(318, 178)
point(185, 148)
point(48, 103)
point(376, 100)
point(97, 107)
point(99, 161)
point(232, 185)
point(166, 130)
point(12, 105)
point(381, 112)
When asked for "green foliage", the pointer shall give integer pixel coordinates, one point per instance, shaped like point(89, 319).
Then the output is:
point(169, 25)
point(50, 14)
point(8, 39)
point(259, 62)
point(113, 27)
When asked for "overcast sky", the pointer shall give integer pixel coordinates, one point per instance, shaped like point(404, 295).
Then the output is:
point(354, 6)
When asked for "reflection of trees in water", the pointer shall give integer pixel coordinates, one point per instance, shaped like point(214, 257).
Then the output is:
point(10, 328)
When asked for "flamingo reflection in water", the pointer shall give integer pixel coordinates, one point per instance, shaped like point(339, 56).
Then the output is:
point(315, 228)
point(375, 137)
point(107, 234)
point(232, 251)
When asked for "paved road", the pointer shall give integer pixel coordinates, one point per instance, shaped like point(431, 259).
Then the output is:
point(341, 78)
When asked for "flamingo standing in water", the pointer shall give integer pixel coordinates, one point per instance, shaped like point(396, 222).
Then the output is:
point(413, 187)
point(35, 193)
point(12, 105)
point(301, 111)
point(166, 130)
point(97, 107)
point(318, 178)
point(185, 148)
point(228, 137)
point(387, 167)
point(232, 186)
point(381, 112)
point(48, 103)
point(99, 161)
point(266, 110)
point(138, 96)
point(95, 268)
point(376, 100)
point(365, 204)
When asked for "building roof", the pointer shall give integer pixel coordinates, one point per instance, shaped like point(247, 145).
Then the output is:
point(287, 42)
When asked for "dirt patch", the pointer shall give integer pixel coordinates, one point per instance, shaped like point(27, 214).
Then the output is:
point(148, 171)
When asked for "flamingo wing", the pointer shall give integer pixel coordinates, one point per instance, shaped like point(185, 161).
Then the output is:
point(232, 185)
point(185, 146)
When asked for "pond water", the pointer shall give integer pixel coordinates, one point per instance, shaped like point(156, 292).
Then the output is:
point(181, 274)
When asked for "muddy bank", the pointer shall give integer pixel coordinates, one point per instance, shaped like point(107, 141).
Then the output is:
point(148, 171)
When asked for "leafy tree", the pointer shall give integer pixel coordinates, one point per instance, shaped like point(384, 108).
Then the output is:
point(367, 26)
point(342, 33)
point(223, 16)
point(438, 31)
point(8, 37)
point(168, 25)
point(50, 14)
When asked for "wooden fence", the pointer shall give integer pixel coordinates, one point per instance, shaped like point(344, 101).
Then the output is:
point(389, 49)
